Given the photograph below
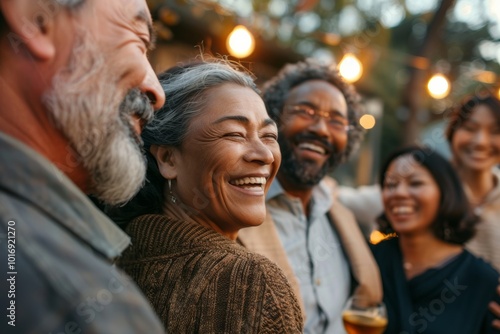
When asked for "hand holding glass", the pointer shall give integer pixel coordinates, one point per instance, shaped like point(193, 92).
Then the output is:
point(360, 317)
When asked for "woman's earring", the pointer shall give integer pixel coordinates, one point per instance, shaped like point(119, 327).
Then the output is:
point(170, 193)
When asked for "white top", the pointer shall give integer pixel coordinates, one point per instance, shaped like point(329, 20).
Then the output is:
point(486, 242)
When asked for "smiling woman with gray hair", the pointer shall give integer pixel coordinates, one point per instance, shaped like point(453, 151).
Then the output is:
point(212, 152)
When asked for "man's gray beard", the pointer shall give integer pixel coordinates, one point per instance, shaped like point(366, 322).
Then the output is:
point(84, 104)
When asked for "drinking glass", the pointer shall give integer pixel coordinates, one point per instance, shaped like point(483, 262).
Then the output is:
point(362, 317)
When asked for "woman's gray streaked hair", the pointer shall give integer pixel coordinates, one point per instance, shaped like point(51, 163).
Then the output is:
point(275, 91)
point(186, 89)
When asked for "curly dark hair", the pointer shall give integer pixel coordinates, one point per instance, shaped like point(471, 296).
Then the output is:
point(455, 213)
point(275, 92)
point(463, 111)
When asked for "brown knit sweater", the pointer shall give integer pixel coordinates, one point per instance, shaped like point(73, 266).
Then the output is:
point(201, 282)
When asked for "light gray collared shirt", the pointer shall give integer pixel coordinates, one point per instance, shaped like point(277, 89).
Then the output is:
point(317, 259)
point(58, 249)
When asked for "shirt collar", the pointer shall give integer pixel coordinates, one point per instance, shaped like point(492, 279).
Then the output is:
point(322, 196)
point(323, 200)
point(275, 190)
point(28, 175)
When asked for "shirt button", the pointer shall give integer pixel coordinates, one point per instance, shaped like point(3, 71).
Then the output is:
point(318, 281)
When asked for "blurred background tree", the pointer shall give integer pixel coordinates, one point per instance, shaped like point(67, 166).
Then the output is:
point(401, 44)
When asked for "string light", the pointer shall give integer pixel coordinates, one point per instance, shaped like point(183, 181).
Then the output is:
point(240, 42)
point(438, 86)
point(350, 68)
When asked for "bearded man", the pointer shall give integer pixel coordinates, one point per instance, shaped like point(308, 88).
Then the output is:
point(76, 89)
point(308, 233)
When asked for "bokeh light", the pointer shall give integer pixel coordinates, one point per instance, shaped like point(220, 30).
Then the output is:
point(367, 121)
point(376, 237)
point(240, 42)
point(438, 86)
point(350, 68)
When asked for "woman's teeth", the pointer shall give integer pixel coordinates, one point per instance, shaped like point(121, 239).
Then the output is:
point(250, 181)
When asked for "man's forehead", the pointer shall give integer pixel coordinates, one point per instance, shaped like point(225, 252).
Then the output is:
point(315, 87)
point(144, 16)
point(321, 94)
point(131, 8)
point(134, 13)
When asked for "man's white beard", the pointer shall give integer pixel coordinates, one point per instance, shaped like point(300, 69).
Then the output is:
point(84, 104)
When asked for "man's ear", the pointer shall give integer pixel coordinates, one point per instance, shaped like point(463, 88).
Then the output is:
point(31, 25)
point(165, 158)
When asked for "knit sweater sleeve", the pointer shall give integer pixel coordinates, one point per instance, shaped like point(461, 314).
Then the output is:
point(280, 311)
point(251, 295)
point(217, 292)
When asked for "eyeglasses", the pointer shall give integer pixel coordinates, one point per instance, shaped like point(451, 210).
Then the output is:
point(335, 121)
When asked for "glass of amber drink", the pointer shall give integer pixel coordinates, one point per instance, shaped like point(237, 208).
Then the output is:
point(361, 317)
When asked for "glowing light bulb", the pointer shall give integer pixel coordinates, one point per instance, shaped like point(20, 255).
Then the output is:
point(438, 86)
point(350, 68)
point(240, 42)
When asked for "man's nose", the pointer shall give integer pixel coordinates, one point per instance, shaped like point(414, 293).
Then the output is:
point(320, 126)
point(153, 90)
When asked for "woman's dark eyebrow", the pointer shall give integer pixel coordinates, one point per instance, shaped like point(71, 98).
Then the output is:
point(240, 119)
point(243, 119)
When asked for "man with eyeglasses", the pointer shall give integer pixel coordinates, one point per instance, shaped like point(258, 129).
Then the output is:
point(307, 232)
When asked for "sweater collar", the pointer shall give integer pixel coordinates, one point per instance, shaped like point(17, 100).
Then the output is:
point(158, 234)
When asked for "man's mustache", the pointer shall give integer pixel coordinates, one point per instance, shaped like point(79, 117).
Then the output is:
point(137, 103)
point(311, 137)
